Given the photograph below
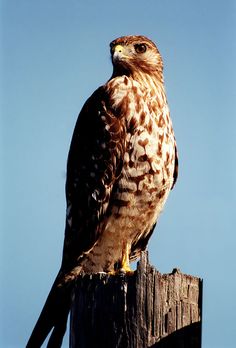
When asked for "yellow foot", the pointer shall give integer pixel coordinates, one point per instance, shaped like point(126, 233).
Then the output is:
point(125, 270)
point(124, 267)
point(122, 270)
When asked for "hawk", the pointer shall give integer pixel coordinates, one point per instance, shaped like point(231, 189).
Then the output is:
point(122, 164)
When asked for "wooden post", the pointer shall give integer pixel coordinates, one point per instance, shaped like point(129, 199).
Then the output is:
point(146, 309)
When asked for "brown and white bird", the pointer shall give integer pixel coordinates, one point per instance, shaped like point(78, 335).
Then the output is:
point(121, 167)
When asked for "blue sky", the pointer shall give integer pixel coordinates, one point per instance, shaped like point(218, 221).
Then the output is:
point(54, 54)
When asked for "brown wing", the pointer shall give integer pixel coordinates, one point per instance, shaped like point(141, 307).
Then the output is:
point(94, 164)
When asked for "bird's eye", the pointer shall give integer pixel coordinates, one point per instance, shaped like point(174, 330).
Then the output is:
point(140, 48)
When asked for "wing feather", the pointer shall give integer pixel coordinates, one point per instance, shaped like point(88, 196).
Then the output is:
point(94, 163)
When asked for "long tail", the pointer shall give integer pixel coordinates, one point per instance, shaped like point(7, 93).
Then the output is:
point(53, 316)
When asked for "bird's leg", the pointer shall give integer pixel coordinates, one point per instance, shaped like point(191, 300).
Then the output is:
point(124, 267)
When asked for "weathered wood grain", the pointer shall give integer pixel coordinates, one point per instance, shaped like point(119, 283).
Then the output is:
point(145, 309)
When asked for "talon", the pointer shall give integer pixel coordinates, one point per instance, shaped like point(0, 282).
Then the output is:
point(126, 270)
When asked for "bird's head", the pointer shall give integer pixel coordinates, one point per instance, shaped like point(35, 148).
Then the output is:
point(135, 54)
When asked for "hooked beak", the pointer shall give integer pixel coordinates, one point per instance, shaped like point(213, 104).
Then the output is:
point(117, 53)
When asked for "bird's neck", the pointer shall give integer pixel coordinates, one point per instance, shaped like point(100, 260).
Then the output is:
point(141, 75)
point(152, 84)
point(154, 80)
